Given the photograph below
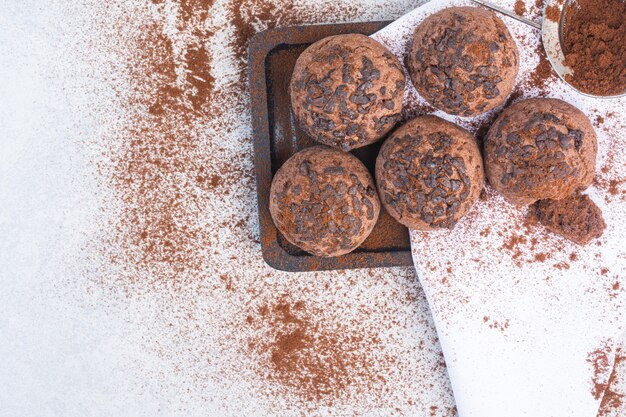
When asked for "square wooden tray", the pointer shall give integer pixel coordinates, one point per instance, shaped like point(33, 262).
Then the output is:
point(272, 57)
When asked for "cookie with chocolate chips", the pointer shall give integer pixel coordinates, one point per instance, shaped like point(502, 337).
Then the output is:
point(463, 61)
point(429, 173)
point(324, 201)
point(540, 149)
point(347, 91)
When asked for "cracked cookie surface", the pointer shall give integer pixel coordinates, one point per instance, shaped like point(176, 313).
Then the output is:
point(324, 201)
point(463, 61)
point(429, 173)
point(540, 149)
point(347, 91)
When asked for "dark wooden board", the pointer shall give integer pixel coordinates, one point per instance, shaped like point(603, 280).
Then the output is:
point(272, 57)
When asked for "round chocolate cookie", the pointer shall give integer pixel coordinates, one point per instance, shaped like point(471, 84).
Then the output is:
point(429, 173)
point(324, 201)
point(347, 91)
point(463, 60)
point(540, 149)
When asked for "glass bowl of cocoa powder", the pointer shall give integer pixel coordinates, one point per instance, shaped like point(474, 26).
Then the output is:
point(585, 41)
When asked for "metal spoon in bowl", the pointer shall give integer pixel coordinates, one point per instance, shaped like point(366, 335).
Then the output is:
point(551, 31)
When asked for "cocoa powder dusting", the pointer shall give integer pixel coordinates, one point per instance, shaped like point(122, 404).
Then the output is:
point(550, 258)
point(593, 42)
point(514, 246)
point(561, 266)
point(609, 178)
point(178, 164)
point(615, 187)
point(599, 360)
point(535, 10)
point(157, 146)
point(178, 154)
point(500, 325)
point(552, 12)
point(541, 76)
point(159, 173)
point(613, 399)
point(314, 362)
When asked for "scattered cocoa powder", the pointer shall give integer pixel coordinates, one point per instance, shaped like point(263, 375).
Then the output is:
point(155, 148)
point(561, 266)
point(501, 325)
point(520, 7)
point(514, 241)
point(610, 177)
point(314, 361)
point(193, 9)
point(515, 246)
point(214, 180)
point(552, 12)
point(601, 366)
point(176, 154)
point(614, 187)
point(162, 177)
point(613, 400)
point(599, 121)
point(593, 42)
point(542, 76)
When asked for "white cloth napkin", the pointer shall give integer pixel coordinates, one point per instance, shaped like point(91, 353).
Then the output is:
point(527, 320)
